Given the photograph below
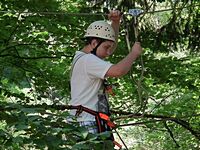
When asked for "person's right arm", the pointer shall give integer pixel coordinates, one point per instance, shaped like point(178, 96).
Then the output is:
point(122, 67)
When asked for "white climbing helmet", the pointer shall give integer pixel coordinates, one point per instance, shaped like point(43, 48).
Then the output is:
point(100, 29)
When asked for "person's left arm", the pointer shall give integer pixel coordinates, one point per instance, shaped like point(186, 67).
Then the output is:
point(115, 16)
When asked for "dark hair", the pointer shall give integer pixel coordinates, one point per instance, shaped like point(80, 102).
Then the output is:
point(88, 40)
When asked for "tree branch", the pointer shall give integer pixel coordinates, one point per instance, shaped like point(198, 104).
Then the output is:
point(138, 123)
point(179, 121)
point(183, 123)
point(34, 58)
point(171, 134)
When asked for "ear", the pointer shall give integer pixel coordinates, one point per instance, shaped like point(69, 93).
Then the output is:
point(94, 43)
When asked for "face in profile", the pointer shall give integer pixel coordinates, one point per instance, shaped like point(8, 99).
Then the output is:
point(105, 49)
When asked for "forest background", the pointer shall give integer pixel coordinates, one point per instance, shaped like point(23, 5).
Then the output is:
point(156, 106)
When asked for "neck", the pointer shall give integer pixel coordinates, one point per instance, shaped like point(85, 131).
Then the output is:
point(87, 49)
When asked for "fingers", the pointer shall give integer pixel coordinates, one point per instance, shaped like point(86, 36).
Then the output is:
point(137, 43)
point(114, 15)
point(136, 50)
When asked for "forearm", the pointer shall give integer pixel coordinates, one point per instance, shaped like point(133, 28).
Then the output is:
point(115, 26)
point(125, 64)
point(122, 67)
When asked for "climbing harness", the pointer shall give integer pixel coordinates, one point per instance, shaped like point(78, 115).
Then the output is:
point(103, 121)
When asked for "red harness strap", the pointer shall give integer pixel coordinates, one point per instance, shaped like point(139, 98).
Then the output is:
point(107, 119)
point(103, 121)
point(81, 108)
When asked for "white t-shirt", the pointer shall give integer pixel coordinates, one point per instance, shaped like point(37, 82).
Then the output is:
point(86, 80)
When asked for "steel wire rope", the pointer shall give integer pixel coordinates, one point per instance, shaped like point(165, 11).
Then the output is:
point(90, 14)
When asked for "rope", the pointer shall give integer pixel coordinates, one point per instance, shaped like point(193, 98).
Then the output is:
point(139, 82)
point(90, 14)
point(121, 139)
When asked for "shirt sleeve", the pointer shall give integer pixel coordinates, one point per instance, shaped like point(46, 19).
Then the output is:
point(96, 67)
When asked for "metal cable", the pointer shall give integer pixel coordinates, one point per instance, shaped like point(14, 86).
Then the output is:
point(89, 14)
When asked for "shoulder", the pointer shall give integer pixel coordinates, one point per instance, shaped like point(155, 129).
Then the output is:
point(89, 59)
point(94, 59)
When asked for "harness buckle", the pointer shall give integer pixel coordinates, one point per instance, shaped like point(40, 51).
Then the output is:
point(109, 90)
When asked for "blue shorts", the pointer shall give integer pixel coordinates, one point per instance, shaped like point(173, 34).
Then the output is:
point(90, 125)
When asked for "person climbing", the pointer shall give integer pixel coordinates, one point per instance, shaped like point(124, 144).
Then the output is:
point(89, 99)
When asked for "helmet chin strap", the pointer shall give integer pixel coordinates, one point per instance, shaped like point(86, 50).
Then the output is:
point(94, 51)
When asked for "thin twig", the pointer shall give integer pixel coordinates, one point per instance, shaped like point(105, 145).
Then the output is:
point(138, 123)
point(171, 134)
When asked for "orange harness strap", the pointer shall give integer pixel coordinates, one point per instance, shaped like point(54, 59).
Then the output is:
point(107, 119)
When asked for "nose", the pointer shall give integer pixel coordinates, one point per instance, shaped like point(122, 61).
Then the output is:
point(109, 52)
